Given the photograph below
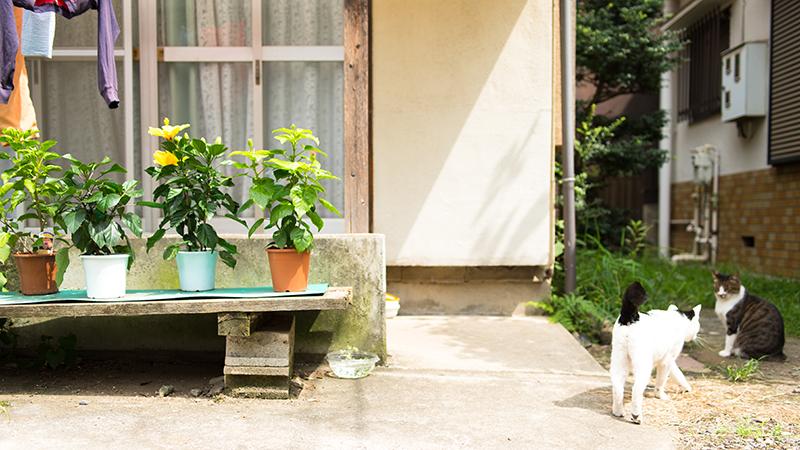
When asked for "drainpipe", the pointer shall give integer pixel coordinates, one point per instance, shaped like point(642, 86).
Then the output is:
point(665, 172)
point(568, 139)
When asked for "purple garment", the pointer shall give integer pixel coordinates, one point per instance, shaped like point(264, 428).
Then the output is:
point(8, 49)
point(107, 33)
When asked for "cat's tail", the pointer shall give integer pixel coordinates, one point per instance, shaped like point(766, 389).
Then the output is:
point(634, 297)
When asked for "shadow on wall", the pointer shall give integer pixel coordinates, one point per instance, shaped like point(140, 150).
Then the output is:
point(445, 104)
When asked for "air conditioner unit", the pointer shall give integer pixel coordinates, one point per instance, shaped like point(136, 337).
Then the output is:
point(745, 74)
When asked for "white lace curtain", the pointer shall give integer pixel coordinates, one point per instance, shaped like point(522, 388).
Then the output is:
point(217, 98)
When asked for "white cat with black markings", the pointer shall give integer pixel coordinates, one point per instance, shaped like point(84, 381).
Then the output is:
point(643, 340)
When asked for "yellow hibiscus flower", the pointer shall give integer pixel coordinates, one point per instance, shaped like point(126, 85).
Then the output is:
point(167, 131)
point(163, 158)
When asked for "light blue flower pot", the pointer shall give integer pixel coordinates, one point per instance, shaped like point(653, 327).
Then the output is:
point(197, 270)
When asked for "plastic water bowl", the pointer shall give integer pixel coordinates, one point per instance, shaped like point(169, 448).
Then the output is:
point(351, 364)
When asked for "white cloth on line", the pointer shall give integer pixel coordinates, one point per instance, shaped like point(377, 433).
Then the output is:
point(38, 32)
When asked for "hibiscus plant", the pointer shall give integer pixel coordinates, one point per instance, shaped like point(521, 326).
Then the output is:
point(93, 210)
point(31, 181)
point(286, 185)
point(191, 191)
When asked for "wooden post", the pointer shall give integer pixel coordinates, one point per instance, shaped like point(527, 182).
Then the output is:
point(357, 122)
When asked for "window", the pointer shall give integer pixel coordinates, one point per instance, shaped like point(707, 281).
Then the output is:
point(700, 71)
point(232, 68)
point(784, 110)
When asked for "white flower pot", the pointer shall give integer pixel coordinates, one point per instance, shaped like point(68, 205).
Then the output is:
point(106, 275)
point(197, 270)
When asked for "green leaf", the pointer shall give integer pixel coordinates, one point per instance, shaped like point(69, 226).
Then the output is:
point(254, 227)
point(151, 241)
point(96, 197)
point(330, 207)
point(227, 246)
point(207, 236)
point(108, 202)
point(227, 259)
point(300, 205)
point(171, 251)
point(134, 223)
point(116, 168)
point(74, 219)
point(150, 204)
point(245, 206)
point(302, 239)
point(62, 263)
point(316, 219)
point(261, 193)
point(279, 212)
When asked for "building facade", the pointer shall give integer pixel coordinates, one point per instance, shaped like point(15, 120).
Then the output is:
point(755, 44)
point(438, 117)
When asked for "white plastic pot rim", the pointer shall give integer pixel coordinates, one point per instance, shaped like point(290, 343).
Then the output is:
point(117, 256)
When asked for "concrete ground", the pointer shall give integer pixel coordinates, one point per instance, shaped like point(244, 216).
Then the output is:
point(471, 382)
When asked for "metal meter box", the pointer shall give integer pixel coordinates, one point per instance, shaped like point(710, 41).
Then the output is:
point(745, 71)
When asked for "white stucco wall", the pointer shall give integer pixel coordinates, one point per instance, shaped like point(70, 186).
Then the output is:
point(749, 22)
point(462, 131)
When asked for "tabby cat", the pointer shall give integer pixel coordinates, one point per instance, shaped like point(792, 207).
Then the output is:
point(754, 326)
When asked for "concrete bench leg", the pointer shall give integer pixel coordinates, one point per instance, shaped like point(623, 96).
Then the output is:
point(259, 353)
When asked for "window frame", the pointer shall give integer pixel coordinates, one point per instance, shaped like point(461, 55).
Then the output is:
point(151, 54)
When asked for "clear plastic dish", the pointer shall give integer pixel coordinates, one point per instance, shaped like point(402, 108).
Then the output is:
point(351, 364)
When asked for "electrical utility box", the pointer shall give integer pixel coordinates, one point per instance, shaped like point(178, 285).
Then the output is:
point(745, 75)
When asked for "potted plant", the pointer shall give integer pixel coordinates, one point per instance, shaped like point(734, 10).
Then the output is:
point(93, 212)
point(286, 185)
point(30, 182)
point(191, 192)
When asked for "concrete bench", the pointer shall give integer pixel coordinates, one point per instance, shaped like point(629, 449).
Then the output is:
point(259, 332)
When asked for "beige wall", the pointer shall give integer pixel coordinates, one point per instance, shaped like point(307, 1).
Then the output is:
point(749, 22)
point(462, 131)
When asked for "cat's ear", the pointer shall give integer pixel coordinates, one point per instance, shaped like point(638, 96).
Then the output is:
point(672, 308)
point(697, 309)
point(715, 274)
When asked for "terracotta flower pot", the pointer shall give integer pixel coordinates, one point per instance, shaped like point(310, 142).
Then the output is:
point(289, 269)
point(37, 273)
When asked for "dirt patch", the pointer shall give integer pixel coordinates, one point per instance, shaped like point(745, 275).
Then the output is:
point(762, 412)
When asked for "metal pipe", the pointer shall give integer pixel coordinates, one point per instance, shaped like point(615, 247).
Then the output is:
point(568, 139)
point(665, 172)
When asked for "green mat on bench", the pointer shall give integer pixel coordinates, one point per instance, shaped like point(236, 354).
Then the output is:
point(15, 298)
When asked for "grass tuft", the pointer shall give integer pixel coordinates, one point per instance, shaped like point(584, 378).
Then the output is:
point(744, 372)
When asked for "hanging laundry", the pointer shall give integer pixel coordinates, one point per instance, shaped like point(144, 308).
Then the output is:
point(19, 112)
point(38, 31)
point(107, 33)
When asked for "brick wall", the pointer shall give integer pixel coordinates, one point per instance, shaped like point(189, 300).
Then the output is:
point(762, 204)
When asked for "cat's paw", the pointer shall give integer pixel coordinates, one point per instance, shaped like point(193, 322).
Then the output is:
point(662, 394)
point(636, 419)
point(724, 353)
point(616, 413)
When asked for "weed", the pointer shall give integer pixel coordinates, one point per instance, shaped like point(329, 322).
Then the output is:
point(736, 373)
point(5, 407)
point(755, 429)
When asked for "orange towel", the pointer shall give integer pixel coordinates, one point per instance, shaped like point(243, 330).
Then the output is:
point(19, 112)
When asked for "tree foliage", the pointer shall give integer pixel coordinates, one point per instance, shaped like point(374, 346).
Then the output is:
point(619, 47)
